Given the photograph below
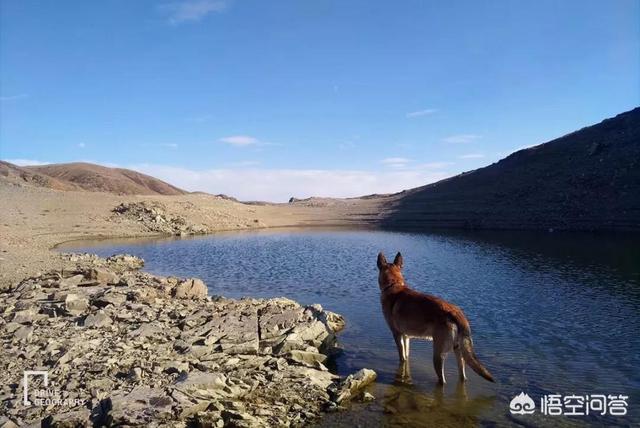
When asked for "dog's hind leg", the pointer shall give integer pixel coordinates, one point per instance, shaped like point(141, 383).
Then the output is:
point(442, 344)
point(460, 361)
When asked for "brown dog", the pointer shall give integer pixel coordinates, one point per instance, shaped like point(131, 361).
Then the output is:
point(413, 314)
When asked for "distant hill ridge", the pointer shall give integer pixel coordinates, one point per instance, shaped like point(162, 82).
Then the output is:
point(87, 177)
point(586, 180)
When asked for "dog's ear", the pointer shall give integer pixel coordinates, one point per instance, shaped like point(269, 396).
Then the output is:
point(382, 260)
point(398, 260)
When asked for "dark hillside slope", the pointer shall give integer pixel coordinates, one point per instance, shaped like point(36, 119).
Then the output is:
point(586, 180)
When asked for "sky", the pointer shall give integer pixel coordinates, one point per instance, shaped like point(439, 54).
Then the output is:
point(264, 100)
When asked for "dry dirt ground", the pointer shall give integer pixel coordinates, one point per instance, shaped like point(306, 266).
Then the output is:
point(34, 220)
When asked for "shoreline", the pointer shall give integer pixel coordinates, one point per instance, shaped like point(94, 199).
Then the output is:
point(36, 221)
point(56, 303)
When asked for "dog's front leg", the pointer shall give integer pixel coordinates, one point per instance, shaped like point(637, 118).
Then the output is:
point(400, 345)
point(405, 341)
point(438, 365)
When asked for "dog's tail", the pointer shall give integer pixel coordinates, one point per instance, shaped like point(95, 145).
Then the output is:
point(465, 342)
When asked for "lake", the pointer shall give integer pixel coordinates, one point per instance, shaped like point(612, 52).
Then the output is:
point(551, 313)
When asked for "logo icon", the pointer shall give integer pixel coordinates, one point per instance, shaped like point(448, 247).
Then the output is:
point(522, 404)
point(26, 375)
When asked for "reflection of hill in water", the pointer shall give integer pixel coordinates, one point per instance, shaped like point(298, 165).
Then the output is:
point(585, 257)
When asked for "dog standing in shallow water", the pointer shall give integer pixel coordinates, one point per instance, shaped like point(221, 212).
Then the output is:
point(413, 314)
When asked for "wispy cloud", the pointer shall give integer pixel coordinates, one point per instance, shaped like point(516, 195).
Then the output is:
point(26, 162)
point(170, 145)
point(81, 145)
point(471, 156)
point(395, 162)
point(419, 113)
point(191, 10)
point(279, 185)
point(461, 138)
point(240, 140)
point(13, 97)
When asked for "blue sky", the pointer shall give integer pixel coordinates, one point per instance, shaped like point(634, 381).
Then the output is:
point(271, 99)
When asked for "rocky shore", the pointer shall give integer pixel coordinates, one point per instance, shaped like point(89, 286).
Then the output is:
point(122, 347)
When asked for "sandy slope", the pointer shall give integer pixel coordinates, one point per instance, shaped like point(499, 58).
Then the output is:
point(33, 220)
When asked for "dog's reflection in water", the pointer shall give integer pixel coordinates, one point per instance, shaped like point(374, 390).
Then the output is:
point(407, 405)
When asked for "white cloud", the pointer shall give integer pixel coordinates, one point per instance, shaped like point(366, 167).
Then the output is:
point(81, 145)
point(26, 162)
point(278, 185)
point(191, 10)
point(170, 145)
point(395, 162)
point(240, 140)
point(471, 156)
point(461, 138)
point(14, 97)
point(419, 113)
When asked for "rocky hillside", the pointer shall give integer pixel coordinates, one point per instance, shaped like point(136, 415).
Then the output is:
point(88, 177)
point(586, 180)
point(18, 175)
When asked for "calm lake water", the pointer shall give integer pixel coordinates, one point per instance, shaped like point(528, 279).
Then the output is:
point(550, 313)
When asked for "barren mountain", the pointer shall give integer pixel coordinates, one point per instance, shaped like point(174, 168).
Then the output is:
point(89, 177)
point(18, 175)
point(586, 180)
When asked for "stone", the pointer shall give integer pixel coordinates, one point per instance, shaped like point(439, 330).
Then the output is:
point(208, 420)
point(71, 281)
point(26, 316)
point(197, 380)
point(75, 305)
point(194, 391)
point(190, 289)
point(310, 359)
point(141, 406)
point(349, 387)
point(77, 418)
point(236, 418)
point(176, 367)
point(24, 333)
point(135, 374)
point(97, 320)
point(367, 397)
point(106, 299)
point(126, 261)
point(334, 321)
point(7, 423)
point(12, 326)
point(104, 276)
